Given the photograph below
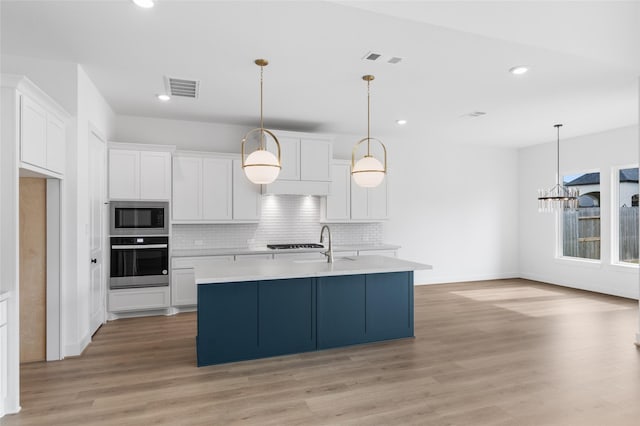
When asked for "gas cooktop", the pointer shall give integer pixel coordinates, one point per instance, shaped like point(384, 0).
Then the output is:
point(294, 246)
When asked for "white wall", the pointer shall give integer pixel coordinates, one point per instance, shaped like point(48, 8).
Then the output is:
point(538, 239)
point(56, 78)
point(456, 210)
point(93, 113)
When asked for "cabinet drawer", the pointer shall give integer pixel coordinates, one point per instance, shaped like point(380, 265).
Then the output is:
point(139, 299)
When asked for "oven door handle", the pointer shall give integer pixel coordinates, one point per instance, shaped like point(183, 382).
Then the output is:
point(138, 247)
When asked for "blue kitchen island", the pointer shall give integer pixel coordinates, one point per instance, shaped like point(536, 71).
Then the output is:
point(256, 309)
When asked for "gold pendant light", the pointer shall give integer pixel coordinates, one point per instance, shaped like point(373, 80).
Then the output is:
point(368, 172)
point(261, 166)
point(558, 197)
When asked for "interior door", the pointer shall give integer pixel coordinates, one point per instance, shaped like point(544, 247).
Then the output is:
point(97, 212)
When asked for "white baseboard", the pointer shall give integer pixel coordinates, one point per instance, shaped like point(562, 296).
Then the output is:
point(135, 314)
point(549, 280)
point(468, 278)
point(76, 349)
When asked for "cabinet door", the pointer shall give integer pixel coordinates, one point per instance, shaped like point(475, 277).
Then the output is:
point(338, 203)
point(286, 316)
point(290, 158)
point(341, 310)
point(377, 201)
point(389, 306)
point(187, 188)
point(183, 287)
point(155, 175)
point(247, 200)
point(227, 322)
point(124, 174)
point(315, 159)
point(56, 145)
point(359, 201)
point(33, 133)
point(216, 189)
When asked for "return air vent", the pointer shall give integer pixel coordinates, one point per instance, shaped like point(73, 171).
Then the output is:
point(183, 87)
point(394, 60)
point(372, 56)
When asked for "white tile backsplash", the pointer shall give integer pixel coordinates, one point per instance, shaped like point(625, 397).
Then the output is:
point(284, 219)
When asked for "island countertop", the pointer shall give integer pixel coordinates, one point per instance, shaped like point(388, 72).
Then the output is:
point(259, 269)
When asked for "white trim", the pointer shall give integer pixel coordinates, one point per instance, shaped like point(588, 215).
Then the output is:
point(76, 349)
point(630, 294)
point(580, 261)
point(133, 146)
point(466, 278)
point(55, 254)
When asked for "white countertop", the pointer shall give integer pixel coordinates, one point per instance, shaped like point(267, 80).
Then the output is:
point(195, 252)
point(255, 270)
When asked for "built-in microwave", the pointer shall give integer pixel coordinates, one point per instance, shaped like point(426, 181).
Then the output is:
point(139, 218)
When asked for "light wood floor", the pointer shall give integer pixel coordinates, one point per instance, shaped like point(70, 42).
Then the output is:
point(509, 352)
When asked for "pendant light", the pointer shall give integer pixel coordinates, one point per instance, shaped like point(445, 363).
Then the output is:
point(368, 172)
point(261, 166)
point(559, 197)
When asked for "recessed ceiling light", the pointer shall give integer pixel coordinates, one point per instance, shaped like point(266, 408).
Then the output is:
point(519, 70)
point(401, 122)
point(146, 4)
point(163, 98)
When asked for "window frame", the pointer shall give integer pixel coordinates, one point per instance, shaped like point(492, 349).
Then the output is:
point(597, 263)
point(615, 217)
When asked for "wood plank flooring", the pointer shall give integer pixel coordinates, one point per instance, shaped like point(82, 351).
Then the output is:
point(507, 352)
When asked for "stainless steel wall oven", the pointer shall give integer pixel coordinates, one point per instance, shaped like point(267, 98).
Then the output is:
point(138, 262)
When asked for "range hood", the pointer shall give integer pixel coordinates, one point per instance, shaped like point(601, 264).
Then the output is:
point(297, 187)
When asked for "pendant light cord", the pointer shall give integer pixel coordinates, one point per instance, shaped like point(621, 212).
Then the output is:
point(557, 126)
point(261, 116)
point(368, 118)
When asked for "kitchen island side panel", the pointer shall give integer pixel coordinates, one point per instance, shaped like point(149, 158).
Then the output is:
point(389, 306)
point(227, 322)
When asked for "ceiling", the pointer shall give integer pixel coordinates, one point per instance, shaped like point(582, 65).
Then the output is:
point(456, 55)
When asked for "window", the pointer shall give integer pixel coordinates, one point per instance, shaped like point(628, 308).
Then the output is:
point(581, 227)
point(628, 215)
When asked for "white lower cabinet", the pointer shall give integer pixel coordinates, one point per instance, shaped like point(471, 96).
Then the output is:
point(184, 290)
point(139, 299)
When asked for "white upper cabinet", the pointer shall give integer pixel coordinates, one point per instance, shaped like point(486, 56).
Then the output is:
point(289, 158)
point(212, 188)
point(187, 188)
point(315, 160)
point(306, 164)
point(155, 175)
point(33, 149)
point(247, 200)
point(349, 202)
point(338, 202)
point(124, 174)
point(41, 131)
point(139, 174)
point(216, 188)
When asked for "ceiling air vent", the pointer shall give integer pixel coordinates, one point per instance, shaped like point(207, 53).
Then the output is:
point(183, 87)
point(371, 56)
point(394, 60)
point(473, 114)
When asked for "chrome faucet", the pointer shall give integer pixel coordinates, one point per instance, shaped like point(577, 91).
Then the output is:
point(328, 253)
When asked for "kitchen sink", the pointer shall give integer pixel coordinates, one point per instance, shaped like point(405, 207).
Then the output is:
point(336, 259)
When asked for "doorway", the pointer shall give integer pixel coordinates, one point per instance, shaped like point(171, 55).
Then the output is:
point(33, 269)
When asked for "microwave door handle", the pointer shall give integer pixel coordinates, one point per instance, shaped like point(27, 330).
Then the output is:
point(138, 247)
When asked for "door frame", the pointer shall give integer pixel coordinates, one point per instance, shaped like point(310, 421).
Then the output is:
point(93, 129)
point(56, 257)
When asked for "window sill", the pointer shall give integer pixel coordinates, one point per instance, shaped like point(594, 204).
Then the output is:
point(577, 261)
point(630, 267)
